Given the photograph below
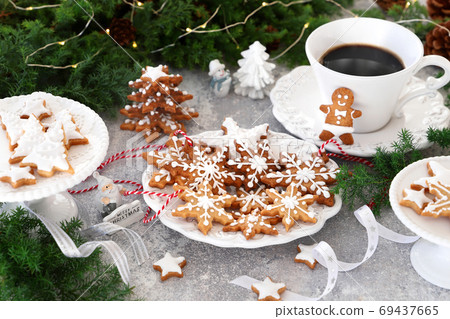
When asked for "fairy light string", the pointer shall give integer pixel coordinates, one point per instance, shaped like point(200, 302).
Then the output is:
point(199, 29)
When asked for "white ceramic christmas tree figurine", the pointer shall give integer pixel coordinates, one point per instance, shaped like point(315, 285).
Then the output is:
point(221, 79)
point(255, 73)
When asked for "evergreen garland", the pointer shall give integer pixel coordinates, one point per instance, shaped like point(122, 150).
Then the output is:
point(361, 185)
point(32, 266)
point(101, 81)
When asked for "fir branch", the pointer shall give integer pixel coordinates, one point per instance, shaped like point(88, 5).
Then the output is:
point(440, 137)
point(32, 266)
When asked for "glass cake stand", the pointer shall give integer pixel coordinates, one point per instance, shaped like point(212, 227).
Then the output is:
point(430, 255)
point(48, 196)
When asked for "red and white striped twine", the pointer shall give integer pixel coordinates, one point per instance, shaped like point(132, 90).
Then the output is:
point(139, 190)
point(344, 155)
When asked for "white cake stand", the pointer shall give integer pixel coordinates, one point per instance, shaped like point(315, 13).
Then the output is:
point(48, 196)
point(430, 256)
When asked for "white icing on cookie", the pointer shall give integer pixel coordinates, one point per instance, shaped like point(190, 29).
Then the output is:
point(306, 253)
point(16, 173)
point(440, 173)
point(417, 197)
point(51, 153)
point(33, 135)
point(153, 73)
point(13, 125)
point(35, 107)
point(170, 264)
point(268, 288)
point(441, 205)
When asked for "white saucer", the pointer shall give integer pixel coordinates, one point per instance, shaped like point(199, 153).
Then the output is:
point(296, 100)
point(430, 256)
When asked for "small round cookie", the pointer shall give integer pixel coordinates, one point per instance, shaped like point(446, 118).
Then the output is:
point(170, 266)
point(268, 290)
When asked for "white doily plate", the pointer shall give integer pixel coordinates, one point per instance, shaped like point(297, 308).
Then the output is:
point(296, 99)
point(83, 158)
point(435, 230)
point(279, 142)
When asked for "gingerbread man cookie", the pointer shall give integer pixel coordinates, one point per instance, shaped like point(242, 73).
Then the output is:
point(339, 116)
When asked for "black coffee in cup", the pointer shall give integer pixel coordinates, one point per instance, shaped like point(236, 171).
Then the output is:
point(361, 60)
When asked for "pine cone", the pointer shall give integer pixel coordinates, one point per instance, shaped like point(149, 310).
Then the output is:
point(437, 41)
point(272, 46)
point(387, 4)
point(123, 31)
point(438, 9)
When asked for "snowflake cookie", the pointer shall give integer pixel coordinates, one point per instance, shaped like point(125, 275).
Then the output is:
point(17, 176)
point(252, 224)
point(311, 176)
point(208, 166)
point(253, 199)
point(253, 164)
point(170, 266)
point(268, 290)
point(291, 206)
point(305, 255)
point(204, 206)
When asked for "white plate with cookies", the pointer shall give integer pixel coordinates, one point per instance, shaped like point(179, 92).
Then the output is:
point(279, 142)
point(83, 159)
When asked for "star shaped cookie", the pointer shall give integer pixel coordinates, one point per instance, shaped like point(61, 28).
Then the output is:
point(311, 176)
point(440, 206)
point(205, 207)
point(170, 266)
point(268, 290)
point(290, 205)
point(305, 255)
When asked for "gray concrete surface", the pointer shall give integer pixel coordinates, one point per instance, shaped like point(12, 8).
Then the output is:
point(388, 275)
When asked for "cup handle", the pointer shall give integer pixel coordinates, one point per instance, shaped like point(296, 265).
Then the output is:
point(432, 84)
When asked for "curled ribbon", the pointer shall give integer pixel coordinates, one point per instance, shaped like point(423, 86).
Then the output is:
point(69, 249)
point(325, 255)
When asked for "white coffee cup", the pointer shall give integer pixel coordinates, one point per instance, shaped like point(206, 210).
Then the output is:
point(377, 97)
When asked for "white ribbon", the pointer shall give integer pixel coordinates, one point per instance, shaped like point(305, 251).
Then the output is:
point(325, 255)
point(69, 249)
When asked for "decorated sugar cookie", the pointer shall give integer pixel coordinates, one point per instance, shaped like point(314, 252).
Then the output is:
point(170, 266)
point(14, 127)
point(17, 176)
point(437, 172)
point(33, 135)
point(253, 199)
point(339, 116)
point(291, 206)
point(417, 200)
point(36, 107)
point(440, 206)
point(268, 290)
point(253, 164)
point(50, 155)
point(252, 224)
point(204, 206)
point(305, 255)
point(72, 132)
point(311, 176)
